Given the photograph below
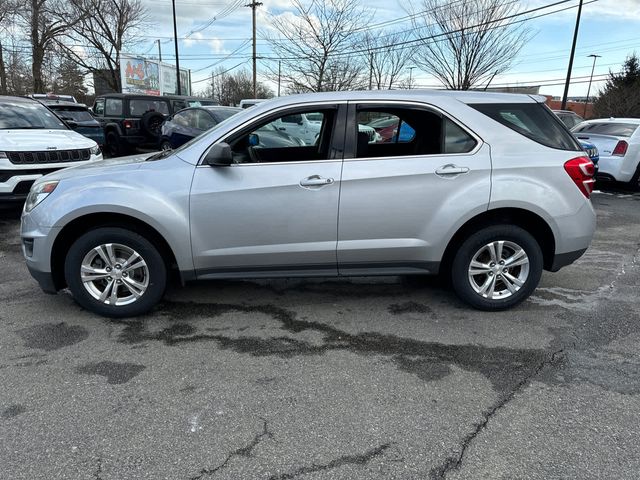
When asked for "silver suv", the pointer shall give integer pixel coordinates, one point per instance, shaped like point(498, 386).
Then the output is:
point(489, 189)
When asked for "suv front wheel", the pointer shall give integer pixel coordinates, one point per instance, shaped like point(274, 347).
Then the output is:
point(497, 267)
point(115, 272)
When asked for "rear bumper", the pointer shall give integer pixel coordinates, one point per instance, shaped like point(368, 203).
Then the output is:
point(563, 259)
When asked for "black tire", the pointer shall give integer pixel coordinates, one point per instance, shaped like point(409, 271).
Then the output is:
point(113, 145)
point(635, 180)
point(156, 275)
point(462, 284)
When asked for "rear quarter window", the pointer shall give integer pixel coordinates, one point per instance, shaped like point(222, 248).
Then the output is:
point(533, 121)
point(608, 128)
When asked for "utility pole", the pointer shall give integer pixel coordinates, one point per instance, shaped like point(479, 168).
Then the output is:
point(410, 75)
point(370, 70)
point(175, 37)
point(279, 75)
point(253, 5)
point(595, 57)
point(573, 52)
point(159, 51)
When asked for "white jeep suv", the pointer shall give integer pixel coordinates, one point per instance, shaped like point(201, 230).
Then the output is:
point(33, 143)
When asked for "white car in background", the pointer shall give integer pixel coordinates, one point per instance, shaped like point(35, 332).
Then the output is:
point(33, 143)
point(307, 127)
point(618, 142)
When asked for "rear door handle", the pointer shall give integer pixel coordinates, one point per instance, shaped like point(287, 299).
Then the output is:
point(450, 170)
point(315, 181)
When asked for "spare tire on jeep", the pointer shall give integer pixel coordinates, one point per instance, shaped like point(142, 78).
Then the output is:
point(151, 122)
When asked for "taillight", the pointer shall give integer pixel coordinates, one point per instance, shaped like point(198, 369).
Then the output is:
point(128, 124)
point(621, 149)
point(581, 171)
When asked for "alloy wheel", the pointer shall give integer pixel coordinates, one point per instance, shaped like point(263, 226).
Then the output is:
point(114, 274)
point(498, 270)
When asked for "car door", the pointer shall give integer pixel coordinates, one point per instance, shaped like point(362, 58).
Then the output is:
point(401, 197)
point(275, 210)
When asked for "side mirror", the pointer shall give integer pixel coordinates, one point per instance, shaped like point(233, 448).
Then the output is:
point(254, 140)
point(219, 155)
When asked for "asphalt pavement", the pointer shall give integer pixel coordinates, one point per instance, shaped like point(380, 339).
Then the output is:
point(364, 378)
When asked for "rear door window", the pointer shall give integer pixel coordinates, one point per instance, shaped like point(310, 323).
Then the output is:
point(609, 128)
point(531, 120)
point(113, 107)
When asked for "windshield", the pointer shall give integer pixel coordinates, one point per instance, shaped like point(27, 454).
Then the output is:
point(75, 114)
point(28, 115)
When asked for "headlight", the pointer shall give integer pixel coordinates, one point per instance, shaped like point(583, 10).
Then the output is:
point(38, 193)
point(95, 150)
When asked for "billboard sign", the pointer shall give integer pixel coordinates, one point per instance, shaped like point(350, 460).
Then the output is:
point(151, 78)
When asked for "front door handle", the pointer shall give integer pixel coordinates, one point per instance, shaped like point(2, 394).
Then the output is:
point(450, 170)
point(315, 181)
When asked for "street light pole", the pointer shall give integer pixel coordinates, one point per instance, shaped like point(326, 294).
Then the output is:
point(410, 75)
point(175, 37)
point(595, 57)
point(573, 52)
point(159, 51)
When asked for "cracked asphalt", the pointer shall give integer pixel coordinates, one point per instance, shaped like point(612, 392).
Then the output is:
point(367, 378)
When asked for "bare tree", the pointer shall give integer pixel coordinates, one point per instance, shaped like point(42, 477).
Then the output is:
point(46, 21)
point(315, 45)
point(230, 88)
point(387, 59)
point(7, 9)
point(105, 28)
point(466, 42)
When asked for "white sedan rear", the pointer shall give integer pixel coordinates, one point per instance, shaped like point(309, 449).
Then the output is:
point(618, 141)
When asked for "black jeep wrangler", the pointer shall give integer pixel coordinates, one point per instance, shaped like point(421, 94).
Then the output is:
point(131, 121)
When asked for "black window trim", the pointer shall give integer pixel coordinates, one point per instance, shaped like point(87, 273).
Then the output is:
point(352, 115)
point(336, 146)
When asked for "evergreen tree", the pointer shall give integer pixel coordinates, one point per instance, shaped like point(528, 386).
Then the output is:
point(621, 94)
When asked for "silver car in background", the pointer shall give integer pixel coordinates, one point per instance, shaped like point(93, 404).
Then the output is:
point(489, 189)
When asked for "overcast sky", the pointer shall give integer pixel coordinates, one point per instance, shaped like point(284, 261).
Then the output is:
point(610, 28)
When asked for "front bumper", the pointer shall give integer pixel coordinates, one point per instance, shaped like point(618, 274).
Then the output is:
point(44, 279)
point(37, 244)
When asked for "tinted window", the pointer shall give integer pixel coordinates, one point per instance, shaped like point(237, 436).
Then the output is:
point(204, 120)
point(98, 108)
point(26, 115)
point(456, 140)
point(292, 119)
point(113, 107)
point(138, 107)
point(532, 120)
point(279, 141)
point(395, 132)
point(609, 128)
point(183, 118)
point(222, 113)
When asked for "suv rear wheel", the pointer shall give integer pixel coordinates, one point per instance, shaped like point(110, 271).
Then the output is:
point(115, 272)
point(497, 267)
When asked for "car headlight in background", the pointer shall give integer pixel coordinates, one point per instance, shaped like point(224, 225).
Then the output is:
point(38, 193)
point(96, 150)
